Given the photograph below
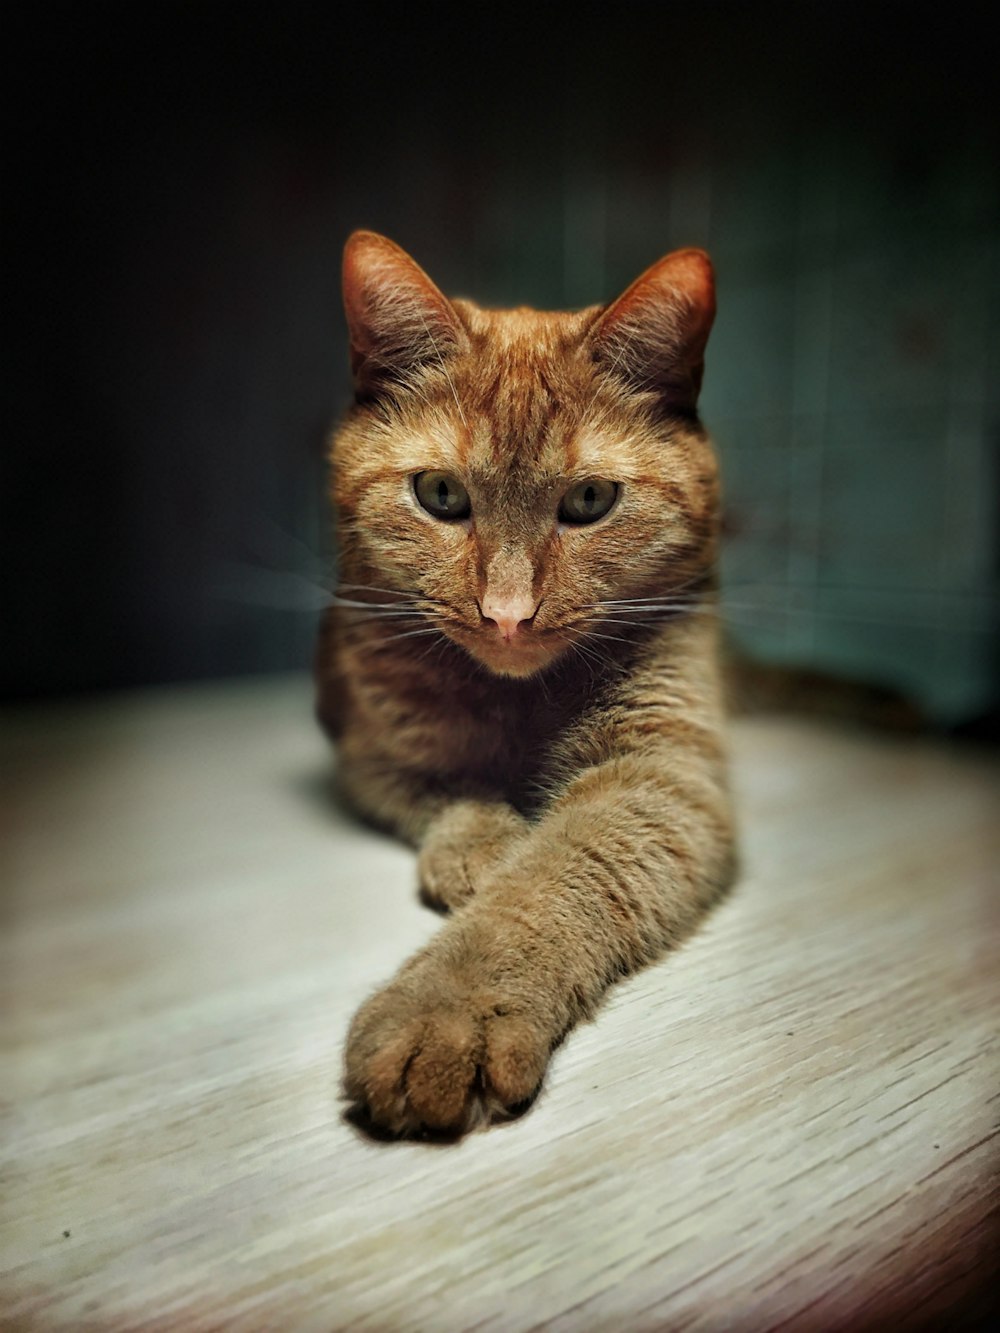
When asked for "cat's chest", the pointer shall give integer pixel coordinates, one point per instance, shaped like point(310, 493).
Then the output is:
point(448, 716)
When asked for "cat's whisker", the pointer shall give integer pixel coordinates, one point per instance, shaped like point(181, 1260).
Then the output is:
point(626, 608)
point(354, 617)
point(355, 604)
point(374, 612)
point(409, 634)
point(405, 599)
point(644, 624)
point(590, 651)
point(728, 609)
point(379, 614)
point(673, 608)
point(643, 601)
point(361, 622)
point(372, 587)
point(435, 645)
point(614, 638)
point(674, 595)
point(661, 617)
point(687, 586)
point(586, 657)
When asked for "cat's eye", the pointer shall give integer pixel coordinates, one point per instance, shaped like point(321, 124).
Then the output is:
point(441, 495)
point(588, 501)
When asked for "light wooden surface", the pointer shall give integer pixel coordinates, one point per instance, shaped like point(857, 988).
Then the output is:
point(791, 1123)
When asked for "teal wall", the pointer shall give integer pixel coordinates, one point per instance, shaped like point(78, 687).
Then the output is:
point(853, 394)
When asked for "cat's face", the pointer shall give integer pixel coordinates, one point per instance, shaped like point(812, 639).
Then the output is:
point(512, 476)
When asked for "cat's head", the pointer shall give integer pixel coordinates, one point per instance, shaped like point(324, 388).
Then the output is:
point(516, 474)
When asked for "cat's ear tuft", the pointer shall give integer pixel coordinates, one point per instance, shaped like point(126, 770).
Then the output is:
point(654, 335)
point(398, 320)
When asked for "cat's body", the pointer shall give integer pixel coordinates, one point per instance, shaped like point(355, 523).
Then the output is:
point(521, 668)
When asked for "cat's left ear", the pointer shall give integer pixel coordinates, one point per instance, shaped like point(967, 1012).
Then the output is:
point(654, 335)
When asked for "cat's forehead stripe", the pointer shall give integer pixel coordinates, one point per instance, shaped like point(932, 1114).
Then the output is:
point(604, 455)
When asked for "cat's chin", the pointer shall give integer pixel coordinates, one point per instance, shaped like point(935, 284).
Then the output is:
point(519, 659)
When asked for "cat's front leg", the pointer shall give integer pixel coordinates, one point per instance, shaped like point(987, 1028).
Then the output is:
point(461, 835)
point(463, 845)
point(622, 866)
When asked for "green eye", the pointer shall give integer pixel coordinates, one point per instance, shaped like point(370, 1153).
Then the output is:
point(441, 495)
point(588, 500)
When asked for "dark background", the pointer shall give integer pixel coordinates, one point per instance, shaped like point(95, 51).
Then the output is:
point(181, 178)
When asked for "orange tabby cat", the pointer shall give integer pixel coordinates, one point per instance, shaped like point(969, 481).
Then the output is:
point(520, 667)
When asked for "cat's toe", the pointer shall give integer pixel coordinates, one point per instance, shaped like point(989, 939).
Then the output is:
point(517, 1054)
point(441, 1078)
point(374, 1079)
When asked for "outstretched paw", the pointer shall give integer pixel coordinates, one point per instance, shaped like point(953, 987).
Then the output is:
point(426, 1054)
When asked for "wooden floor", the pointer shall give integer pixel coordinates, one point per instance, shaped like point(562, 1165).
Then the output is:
point(793, 1123)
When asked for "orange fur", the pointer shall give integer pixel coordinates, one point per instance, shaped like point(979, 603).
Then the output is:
point(564, 780)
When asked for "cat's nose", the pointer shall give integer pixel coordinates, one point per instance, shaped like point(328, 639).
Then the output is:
point(509, 614)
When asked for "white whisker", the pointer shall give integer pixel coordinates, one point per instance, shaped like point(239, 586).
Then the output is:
point(390, 608)
point(616, 638)
point(672, 607)
point(674, 596)
point(375, 610)
point(409, 634)
point(371, 587)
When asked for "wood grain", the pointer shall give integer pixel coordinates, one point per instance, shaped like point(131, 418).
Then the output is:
point(792, 1123)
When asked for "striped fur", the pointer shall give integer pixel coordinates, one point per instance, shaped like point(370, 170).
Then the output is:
point(566, 790)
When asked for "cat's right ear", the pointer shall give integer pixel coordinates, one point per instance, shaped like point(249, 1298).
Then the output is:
point(398, 320)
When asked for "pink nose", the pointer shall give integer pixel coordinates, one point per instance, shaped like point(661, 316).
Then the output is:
point(509, 614)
